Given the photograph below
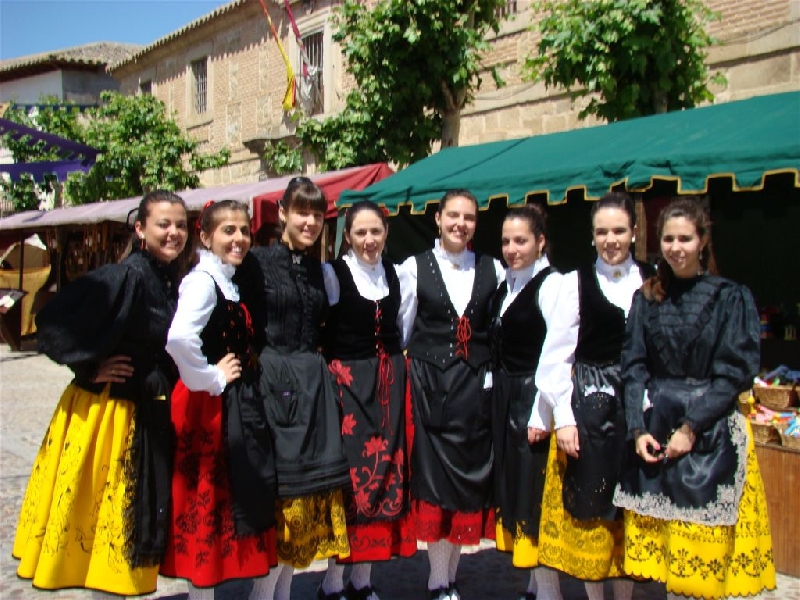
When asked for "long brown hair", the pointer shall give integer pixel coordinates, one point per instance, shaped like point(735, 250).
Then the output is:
point(657, 287)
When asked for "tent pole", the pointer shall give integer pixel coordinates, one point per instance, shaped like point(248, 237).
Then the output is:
point(21, 258)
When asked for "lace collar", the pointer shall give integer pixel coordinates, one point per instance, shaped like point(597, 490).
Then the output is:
point(615, 272)
point(459, 261)
point(221, 272)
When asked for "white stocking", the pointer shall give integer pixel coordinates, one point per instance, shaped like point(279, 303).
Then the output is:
point(334, 578)
point(439, 557)
point(361, 575)
point(98, 595)
point(264, 587)
point(532, 587)
point(623, 589)
point(548, 584)
point(594, 590)
point(196, 593)
point(283, 588)
point(455, 556)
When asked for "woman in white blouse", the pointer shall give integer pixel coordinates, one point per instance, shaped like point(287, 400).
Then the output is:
point(365, 355)
point(581, 531)
point(446, 325)
point(532, 346)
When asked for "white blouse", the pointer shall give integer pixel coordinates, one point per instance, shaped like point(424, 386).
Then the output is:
point(197, 298)
point(553, 375)
point(458, 273)
point(618, 283)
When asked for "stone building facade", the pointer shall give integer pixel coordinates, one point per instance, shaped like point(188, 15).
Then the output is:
point(223, 76)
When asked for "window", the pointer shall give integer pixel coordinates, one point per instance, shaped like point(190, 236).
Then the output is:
point(200, 87)
point(508, 9)
point(146, 88)
point(313, 89)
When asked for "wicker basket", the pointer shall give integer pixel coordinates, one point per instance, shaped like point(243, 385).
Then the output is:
point(765, 433)
point(744, 405)
point(776, 397)
point(789, 441)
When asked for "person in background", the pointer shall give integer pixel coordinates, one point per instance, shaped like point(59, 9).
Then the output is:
point(695, 511)
point(286, 290)
point(446, 325)
point(532, 345)
point(96, 510)
point(364, 349)
point(581, 532)
point(223, 483)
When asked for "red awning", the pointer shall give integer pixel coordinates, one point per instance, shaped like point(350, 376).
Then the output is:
point(332, 184)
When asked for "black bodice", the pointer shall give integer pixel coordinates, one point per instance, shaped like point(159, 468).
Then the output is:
point(228, 330)
point(358, 328)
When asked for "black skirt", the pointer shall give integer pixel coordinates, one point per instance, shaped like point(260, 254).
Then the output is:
point(599, 409)
point(451, 461)
point(303, 416)
point(519, 467)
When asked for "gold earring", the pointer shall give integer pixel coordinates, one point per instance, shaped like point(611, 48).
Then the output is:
point(143, 243)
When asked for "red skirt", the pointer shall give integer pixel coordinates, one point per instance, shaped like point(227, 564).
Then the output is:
point(202, 545)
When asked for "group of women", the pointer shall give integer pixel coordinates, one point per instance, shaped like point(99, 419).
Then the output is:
point(268, 410)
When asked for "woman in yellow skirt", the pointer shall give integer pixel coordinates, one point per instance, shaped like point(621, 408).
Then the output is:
point(533, 344)
point(695, 510)
point(96, 507)
point(581, 531)
point(283, 286)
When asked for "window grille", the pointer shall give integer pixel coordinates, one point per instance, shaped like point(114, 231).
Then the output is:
point(509, 9)
point(313, 58)
point(200, 77)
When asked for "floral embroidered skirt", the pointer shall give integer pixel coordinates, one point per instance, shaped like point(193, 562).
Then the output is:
point(587, 549)
point(202, 545)
point(71, 532)
point(372, 395)
point(707, 561)
point(311, 527)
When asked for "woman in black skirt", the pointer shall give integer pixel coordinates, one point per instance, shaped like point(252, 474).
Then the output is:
point(532, 343)
point(447, 314)
point(366, 359)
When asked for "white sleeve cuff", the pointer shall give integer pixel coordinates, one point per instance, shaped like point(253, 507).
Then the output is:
point(563, 416)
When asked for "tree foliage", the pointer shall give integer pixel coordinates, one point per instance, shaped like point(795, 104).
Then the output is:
point(634, 57)
point(141, 149)
point(416, 65)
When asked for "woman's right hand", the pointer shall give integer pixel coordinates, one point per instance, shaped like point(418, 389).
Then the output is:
point(537, 435)
point(231, 367)
point(114, 369)
point(648, 448)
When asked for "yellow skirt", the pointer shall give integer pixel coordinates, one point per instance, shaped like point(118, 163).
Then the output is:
point(71, 531)
point(707, 561)
point(311, 528)
point(589, 550)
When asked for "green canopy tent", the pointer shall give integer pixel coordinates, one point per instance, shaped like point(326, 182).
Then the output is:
point(743, 142)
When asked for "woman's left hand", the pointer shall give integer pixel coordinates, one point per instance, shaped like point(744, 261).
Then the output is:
point(680, 443)
point(567, 440)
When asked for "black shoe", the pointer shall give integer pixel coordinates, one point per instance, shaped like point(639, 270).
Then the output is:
point(528, 596)
point(441, 593)
point(351, 593)
point(452, 589)
point(321, 595)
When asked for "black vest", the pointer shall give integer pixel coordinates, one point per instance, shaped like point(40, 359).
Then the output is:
point(226, 331)
point(356, 327)
point(602, 324)
point(518, 335)
point(440, 336)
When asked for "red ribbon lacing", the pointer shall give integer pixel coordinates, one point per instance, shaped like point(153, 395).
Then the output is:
point(463, 334)
point(248, 320)
point(199, 225)
point(385, 373)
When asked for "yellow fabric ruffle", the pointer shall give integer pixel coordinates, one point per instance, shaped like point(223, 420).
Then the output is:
point(589, 550)
point(311, 528)
point(71, 531)
point(707, 561)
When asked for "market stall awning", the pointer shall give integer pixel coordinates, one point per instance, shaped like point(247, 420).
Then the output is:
point(256, 194)
point(744, 141)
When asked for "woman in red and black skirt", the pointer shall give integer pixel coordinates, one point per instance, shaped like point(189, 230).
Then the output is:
point(447, 315)
point(367, 362)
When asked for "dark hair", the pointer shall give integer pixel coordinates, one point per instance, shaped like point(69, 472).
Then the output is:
point(350, 214)
point(690, 209)
point(455, 194)
point(535, 216)
point(303, 194)
point(618, 200)
point(143, 211)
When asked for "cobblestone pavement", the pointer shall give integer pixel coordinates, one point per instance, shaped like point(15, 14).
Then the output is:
point(30, 386)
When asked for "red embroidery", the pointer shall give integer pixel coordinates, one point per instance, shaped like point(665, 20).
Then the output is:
point(385, 371)
point(341, 372)
point(348, 423)
point(463, 335)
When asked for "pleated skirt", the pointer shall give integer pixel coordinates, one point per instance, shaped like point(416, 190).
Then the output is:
point(703, 561)
point(71, 531)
